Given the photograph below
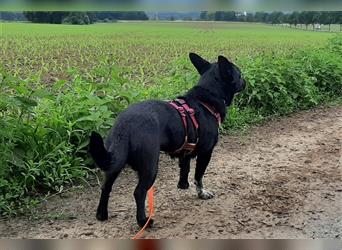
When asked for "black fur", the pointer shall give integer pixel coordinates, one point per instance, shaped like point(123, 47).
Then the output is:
point(147, 128)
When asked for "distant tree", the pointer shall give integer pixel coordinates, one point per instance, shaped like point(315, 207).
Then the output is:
point(294, 18)
point(91, 16)
point(204, 15)
point(286, 18)
point(276, 17)
point(12, 16)
point(211, 15)
point(250, 17)
point(316, 18)
point(229, 16)
point(300, 19)
point(338, 18)
point(219, 15)
point(225, 16)
point(57, 16)
point(172, 18)
point(77, 18)
point(261, 17)
point(307, 17)
point(328, 18)
point(272, 18)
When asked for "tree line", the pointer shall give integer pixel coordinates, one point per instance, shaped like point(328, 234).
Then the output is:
point(75, 17)
point(277, 17)
point(82, 17)
point(12, 16)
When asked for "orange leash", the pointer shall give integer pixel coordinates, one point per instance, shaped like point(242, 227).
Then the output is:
point(150, 212)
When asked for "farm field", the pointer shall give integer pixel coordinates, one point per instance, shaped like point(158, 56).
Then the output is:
point(145, 50)
point(60, 82)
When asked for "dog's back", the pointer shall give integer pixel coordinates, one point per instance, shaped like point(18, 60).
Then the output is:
point(143, 127)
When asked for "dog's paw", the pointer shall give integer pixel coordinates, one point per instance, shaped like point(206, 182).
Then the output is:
point(142, 223)
point(183, 185)
point(102, 216)
point(205, 194)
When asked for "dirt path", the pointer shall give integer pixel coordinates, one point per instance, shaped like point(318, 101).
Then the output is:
point(282, 180)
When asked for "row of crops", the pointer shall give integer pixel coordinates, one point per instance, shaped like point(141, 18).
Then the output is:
point(59, 85)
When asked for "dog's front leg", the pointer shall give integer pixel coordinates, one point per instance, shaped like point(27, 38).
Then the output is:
point(184, 165)
point(201, 165)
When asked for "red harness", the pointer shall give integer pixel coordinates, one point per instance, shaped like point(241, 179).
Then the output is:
point(182, 107)
point(213, 112)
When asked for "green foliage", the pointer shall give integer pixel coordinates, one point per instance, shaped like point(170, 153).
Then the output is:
point(279, 85)
point(335, 44)
point(48, 111)
point(44, 134)
point(80, 18)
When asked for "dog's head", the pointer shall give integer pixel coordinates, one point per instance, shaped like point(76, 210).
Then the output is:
point(222, 77)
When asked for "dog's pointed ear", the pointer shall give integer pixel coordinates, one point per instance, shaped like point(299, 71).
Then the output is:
point(225, 68)
point(200, 64)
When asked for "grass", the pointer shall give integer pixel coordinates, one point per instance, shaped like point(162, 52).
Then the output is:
point(62, 81)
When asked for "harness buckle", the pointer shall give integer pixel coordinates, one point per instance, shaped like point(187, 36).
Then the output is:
point(181, 101)
point(191, 111)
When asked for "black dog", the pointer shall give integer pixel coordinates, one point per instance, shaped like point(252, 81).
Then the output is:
point(147, 128)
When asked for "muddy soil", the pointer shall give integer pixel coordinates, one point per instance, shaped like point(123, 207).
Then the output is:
point(281, 180)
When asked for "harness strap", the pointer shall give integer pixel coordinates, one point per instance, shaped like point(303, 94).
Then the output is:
point(213, 112)
point(190, 111)
point(183, 109)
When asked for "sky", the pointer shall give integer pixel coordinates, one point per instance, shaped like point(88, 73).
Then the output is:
point(173, 5)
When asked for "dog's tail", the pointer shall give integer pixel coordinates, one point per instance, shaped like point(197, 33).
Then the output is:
point(98, 151)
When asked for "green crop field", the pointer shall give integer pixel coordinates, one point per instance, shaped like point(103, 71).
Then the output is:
point(60, 82)
point(146, 49)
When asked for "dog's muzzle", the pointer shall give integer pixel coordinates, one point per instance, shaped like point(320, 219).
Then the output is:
point(241, 86)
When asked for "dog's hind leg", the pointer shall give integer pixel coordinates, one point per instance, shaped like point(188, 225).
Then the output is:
point(147, 172)
point(201, 165)
point(110, 176)
point(102, 209)
point(184, 165)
